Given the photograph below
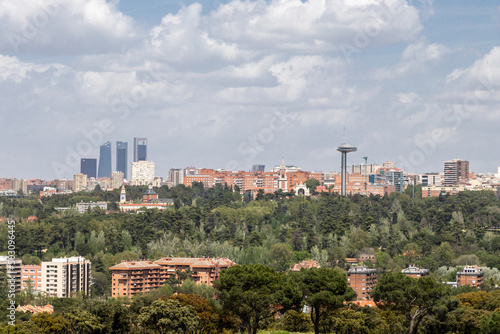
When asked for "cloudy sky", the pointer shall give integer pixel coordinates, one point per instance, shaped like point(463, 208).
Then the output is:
point(229, 84)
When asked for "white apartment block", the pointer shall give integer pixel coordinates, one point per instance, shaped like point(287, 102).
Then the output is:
point(13, 271)
point(82, 207)
point(64, 277)
point(142, 173)
point(80, 182)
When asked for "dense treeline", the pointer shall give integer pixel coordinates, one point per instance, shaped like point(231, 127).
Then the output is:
point(255, 297)
point(276, 230)
point(219, 222)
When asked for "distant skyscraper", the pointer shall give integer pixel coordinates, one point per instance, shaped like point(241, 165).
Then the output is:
point(105, 160)
point(140, 149)
point(122, 157)
point(88, 167)
point(258, 168)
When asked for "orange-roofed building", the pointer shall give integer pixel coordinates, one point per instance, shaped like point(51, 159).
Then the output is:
point(204, 270)
point(131, 277)
point(307, 264)
point(35, 309)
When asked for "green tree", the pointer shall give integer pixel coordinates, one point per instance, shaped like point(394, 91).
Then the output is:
point(281, 255)
point(491, 324)
point(251, 293)
point(323, 290)
point(48, 323)
point(169, 317)
point(414, 298)
point(311, 184)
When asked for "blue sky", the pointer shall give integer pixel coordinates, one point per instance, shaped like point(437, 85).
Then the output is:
point(229, 84)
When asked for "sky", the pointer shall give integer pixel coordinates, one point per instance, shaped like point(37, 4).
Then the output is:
point(229, 84)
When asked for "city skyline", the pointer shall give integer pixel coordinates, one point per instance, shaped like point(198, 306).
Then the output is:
point(230, 84)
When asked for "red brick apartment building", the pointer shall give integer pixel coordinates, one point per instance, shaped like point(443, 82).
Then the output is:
point(31, 273)
point(131, 277)
point(471, 275)
point(362, 280)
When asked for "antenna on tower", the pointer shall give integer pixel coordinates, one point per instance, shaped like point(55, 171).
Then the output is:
point(344, 141)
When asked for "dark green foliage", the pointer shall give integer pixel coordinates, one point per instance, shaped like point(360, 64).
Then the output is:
point(414, 298)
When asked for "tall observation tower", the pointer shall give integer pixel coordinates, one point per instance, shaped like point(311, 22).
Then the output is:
point(345, 148)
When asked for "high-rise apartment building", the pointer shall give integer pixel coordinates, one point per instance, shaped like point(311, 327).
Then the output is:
point(362, 280)
point(88, 166)
point(142, 173)
point(175, 176)
point(105, 160)
point(65, 277)
point(13, 270)
point(395, 178)
point(430, 179)
point(456, 172)
point(79, 182)
point(31, 274)
point(122, 157)
point(140, 149)
point(471, 275)
point(116, 180)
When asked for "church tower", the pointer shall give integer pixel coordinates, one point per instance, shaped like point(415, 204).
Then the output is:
point(123, 195)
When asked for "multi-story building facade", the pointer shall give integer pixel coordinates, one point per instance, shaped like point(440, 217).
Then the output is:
point(471, 275)
point(31, 274)
point(430, 179)
point(435, 191)
point(13, 270)
point(250, 181)
point(79, 182)
point(258, 168)
point(82, 207)
point(395, 178)
point(65, 277)
point(364, 169)
point(117, 179)
point(456, 172)
point(415, 272)
point(140, 149)
point(88, 166)
point(104, 160)
point(204, 270)
point(122, 157)
point(362, 280)
point(142, 172)
point(175, 177)
point(132, 277)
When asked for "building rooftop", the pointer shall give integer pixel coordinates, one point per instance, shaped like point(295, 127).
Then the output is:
point(135, 265)
point(361, 270)
point(415, 270)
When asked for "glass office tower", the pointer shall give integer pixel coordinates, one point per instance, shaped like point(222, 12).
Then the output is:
point(105, 160)
point(122, 157)
point(140, 149)
point(88, 167)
